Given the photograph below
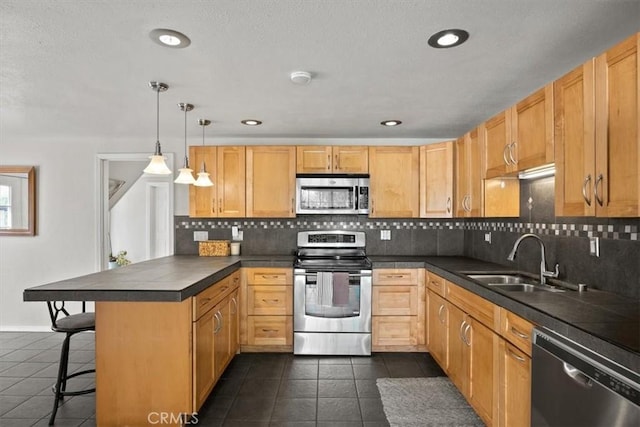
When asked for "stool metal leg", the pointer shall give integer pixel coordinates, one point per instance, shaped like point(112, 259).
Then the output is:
point(60, 389)
point(61, 381)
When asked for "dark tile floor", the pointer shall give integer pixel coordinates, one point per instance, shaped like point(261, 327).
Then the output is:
point(257, 389)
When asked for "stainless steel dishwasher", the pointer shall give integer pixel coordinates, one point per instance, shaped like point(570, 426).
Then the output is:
point(573, 386)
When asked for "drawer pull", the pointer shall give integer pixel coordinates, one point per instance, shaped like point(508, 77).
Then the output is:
point(270, 330)
point(224, 288)
point(204, 301)
point(394, 276)
point(272, 276)
point(274, 301)
point(436, 284)
point(519, 334)
point(515, 356)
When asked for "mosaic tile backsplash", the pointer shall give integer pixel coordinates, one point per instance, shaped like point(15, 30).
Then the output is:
point(566, 239)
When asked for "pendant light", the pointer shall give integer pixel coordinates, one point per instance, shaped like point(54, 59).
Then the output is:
point(203, 177)
point(186, 175)
point(157, 166)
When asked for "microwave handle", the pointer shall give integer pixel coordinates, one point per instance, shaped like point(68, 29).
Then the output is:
point(357, 204)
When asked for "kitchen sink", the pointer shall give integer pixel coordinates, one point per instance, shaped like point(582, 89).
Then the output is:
point(501, 278)
point(513, 283)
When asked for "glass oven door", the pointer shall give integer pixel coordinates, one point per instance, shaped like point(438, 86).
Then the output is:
point(332, 301)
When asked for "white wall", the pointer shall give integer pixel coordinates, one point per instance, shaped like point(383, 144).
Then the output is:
point(65, 244)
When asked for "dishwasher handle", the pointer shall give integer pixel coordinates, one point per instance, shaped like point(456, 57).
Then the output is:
point(577, 376)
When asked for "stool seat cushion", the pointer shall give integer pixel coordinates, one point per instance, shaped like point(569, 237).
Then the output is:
point(76, 322)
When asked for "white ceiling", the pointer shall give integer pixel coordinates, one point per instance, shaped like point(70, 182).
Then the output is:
point(80, 69)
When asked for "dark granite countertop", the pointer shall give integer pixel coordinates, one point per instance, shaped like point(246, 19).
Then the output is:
point(606, 323)
point(172, 278)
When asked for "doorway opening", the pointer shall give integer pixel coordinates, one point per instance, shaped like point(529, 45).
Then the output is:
point(135, 210)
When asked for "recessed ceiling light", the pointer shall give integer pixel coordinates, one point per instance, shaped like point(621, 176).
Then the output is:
point(169, 38)
point(448, 38)
point(391, 123)
point(251, 122)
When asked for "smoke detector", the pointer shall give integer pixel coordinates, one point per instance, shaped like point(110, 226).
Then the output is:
point(301, 77)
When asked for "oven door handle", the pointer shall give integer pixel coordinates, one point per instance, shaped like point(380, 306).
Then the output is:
point(350, 275)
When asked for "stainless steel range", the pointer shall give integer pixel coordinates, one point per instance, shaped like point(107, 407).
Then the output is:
point(332, 294)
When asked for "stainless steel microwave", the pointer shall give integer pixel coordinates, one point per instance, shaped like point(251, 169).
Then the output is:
point(332, 194)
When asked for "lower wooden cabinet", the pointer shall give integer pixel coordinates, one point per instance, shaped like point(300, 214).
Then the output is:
point(215, 341)
point(398, 310)
point(515, 386)
point(437, 324)
point(266, 319)
point(484, 349)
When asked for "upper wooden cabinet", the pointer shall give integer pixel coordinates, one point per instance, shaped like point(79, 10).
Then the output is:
point(332, 159)
point(468, 172)
point(617, 171)
point(436, 180)
point(597, 136)
point(271, 181)
point(394, 182)
point(520, 137)
point(226, 198)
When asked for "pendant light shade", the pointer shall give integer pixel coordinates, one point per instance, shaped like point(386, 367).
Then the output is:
point(203, 177)
point(157, 165)
point(186, 173)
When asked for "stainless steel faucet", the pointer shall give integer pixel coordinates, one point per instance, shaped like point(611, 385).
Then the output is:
point(543, 263)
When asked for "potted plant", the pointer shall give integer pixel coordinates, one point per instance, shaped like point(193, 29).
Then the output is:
point(119, 260)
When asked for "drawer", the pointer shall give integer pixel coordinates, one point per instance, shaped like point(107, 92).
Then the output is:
point(436, 283)
point(269, 276)
point(394, 301)
point(269, 300)
point(270, 330)
point(516, 330)
point(205, 300)
point(477, 307)
point(397, 277)
point(394, 330)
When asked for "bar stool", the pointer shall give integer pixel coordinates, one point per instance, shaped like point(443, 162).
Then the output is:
point(70, 324)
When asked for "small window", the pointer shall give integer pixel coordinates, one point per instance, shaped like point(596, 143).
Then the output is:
point(5, 206)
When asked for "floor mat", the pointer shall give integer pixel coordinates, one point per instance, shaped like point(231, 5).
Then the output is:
point(413, 402)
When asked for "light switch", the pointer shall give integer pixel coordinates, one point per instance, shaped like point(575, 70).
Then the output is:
point(487, 237)
point(234, 232)
point(385, 234)
point(200, 236)
point(594, 246)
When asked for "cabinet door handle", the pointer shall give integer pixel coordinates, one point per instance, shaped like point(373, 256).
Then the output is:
point(468, 203)
point(337, 162)
point(440, 310)
point(218, 323)
point(464, 334)
point(504, 154)
point(515, 356)
point(293, 205)
point(329, 162)
point(371, 201)
point(519, 334)
point(220, 205)
point(595, 189)
point(514, 160)
point(460, 331)
point(448, 204)
point(213, 205)
point(235, 305)
point(587, 180)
